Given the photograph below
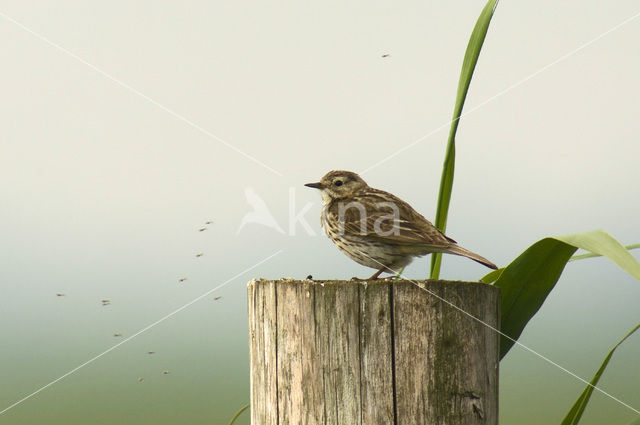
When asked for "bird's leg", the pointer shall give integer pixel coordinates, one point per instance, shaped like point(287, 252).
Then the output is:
point(376, 274)
point(373, 277)
point(399, 275)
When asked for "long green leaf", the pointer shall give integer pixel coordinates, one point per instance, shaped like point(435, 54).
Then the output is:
point(528, 280)
point(525, 284)
point(468, 66)
point(574, 415)
point(492, 276)
point(242, 409)
point(495, 274)
point(592, 255)
point(601, 243)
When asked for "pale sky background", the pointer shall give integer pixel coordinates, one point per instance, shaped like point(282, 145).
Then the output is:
point(103, 191)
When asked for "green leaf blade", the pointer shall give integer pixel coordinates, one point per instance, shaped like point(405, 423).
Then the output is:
point(528, 280)
point(492, 276)
point(238, 413)
point(468, 66)
point(526, 283)
point(574, 415)
point(592, 255)
point(602, 243)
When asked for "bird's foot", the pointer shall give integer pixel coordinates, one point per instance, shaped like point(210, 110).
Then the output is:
point(397, 276)
point(375, 276)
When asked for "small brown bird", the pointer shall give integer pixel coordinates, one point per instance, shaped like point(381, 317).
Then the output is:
point(377, 229)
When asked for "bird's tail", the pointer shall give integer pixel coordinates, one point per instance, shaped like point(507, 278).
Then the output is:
point(458, 250)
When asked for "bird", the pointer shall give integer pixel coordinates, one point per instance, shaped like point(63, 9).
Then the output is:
point(376, 228)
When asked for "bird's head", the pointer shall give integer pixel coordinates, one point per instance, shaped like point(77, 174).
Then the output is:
point(338, 185)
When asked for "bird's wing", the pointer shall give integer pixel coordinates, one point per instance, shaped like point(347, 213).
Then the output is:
point(381, 216)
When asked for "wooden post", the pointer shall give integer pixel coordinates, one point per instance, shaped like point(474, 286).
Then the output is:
point(373, 353)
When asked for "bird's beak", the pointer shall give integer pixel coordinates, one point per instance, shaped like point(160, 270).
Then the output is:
point(314, 185)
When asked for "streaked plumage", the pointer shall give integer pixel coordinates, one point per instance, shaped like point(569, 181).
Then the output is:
point(378, 229)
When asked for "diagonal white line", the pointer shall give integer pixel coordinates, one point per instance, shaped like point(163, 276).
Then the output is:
point(139, 93)
point(548, 360)
point(146, 328)
point(504, 91)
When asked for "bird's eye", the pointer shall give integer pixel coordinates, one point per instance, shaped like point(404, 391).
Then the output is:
point(337, 183)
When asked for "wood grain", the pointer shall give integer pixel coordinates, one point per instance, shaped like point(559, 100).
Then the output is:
point(380, 352)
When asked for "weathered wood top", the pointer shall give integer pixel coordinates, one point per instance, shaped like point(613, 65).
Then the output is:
point(377, 352)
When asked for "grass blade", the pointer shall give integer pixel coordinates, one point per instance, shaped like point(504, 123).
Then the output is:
point(238, 413)
point(592, 255)
point(574, 415)
point(492, 276)
point(468, 66)
point(601, 243)
point(528, 280)
point(526, 283)
point(495, 274)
